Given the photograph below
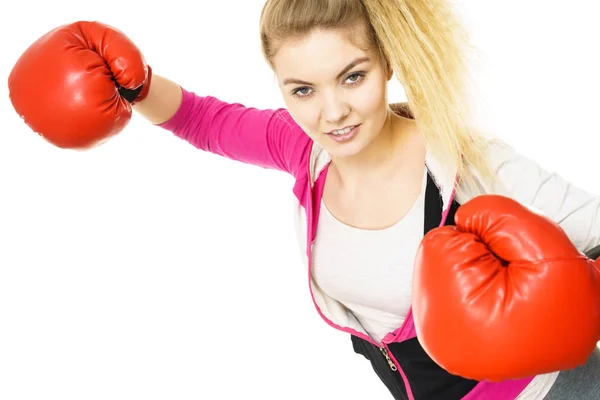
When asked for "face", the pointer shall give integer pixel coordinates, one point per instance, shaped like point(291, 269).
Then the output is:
point(335, 91)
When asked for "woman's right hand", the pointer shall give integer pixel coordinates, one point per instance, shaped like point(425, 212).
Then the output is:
point(75, 85)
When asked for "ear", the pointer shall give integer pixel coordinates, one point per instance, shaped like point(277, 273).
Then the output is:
point(390, 71)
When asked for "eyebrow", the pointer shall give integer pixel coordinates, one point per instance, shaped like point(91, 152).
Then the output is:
point(353, 64)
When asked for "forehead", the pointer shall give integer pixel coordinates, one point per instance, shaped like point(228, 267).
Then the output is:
point(320, 53)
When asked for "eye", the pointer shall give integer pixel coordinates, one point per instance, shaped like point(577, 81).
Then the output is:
point(355, 78)
point(301, 92)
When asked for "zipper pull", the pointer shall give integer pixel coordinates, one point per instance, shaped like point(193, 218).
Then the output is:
point(384, 351)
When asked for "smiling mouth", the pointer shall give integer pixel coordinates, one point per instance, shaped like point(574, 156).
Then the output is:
point(344, 135)
point(341, 132)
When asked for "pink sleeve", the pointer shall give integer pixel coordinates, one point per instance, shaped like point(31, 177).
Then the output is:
point(265, 138)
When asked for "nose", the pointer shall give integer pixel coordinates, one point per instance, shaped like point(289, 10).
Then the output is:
point(334, 109)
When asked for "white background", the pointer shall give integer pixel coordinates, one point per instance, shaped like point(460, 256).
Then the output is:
point(146, 269)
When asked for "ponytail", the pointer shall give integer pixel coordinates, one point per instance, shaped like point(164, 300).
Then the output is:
point(426, 46)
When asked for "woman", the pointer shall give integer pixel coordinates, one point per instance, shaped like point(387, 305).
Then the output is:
point(371, 165)
point(372, 178)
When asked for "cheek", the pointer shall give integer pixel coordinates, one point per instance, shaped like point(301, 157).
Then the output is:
point(371, 100)
point(305, 115)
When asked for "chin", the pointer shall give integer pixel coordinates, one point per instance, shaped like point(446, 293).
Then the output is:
point(345, 150)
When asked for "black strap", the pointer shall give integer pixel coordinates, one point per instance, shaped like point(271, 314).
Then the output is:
point(434, 206)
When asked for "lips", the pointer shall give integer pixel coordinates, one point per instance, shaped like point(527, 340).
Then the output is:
point(342, 131)
point(344, 135)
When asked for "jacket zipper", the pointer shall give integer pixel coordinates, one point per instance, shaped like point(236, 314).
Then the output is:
point(385, 353)
point(395, 366)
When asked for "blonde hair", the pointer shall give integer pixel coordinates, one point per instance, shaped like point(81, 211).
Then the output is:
point(424, 44)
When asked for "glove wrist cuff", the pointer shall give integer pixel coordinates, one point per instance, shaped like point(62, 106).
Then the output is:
point(145, 87)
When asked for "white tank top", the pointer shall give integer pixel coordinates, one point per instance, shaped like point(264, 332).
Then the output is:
point(370, 271)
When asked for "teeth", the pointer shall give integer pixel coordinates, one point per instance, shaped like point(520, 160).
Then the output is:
point(342, 131)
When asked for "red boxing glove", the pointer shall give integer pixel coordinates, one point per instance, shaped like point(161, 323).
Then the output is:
point(504, 294)
point(74, 86)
